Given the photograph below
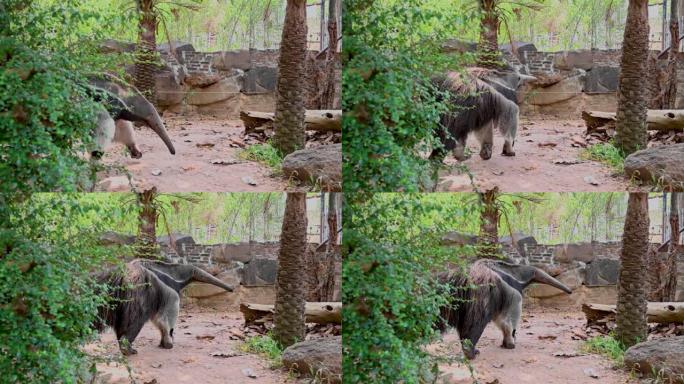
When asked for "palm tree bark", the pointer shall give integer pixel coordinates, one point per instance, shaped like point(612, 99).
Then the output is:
point(290, 93)
point(290, 283)
point(488, 239)
point(147, 224)
point(631, 305)
point(632, 103)
point(488, 45)
point(145, 56)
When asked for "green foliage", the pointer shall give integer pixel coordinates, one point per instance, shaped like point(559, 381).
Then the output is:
point(46, 118)
point(48, 244)
point(607, 346)
point(390, 52)
point(264, 153)
point(392, 248)
point(607, 153)
point(265, 346)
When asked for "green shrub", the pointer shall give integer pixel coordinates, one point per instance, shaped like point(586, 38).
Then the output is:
point(264, 153)
point(391, 50)
point(48, 243)
point(391, 250)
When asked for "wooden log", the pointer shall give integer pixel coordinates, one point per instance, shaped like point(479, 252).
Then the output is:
point(316, 120)
point(665, 312)
point(656, 120)
point(315, 312)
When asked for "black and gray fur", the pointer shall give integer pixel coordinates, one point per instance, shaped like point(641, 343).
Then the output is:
point(147, 290)
point(490, 291)
point(479, 108)
point(123, 103)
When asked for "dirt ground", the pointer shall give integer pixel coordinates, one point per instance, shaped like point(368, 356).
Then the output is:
point(190, 360)
point(541, 335)
point(198, 142)
point(545, 161)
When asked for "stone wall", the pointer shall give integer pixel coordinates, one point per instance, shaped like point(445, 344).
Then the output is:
point(549, 255)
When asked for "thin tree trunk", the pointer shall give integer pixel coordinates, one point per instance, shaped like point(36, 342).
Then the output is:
point(488, 240)
point(289, 117)
point(632, 105)
point(670, 88)
point(631, 305)
point(146, 51)
point(290, 283)
point(670, 276)
point(328, 97)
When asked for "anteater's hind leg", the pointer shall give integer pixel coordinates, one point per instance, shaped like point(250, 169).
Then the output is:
point(165, 319)
point(485, 136)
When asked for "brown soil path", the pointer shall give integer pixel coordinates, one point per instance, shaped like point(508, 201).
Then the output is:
point(539, 336)
point(190, 360)
point(538, 145)
point(198, 141)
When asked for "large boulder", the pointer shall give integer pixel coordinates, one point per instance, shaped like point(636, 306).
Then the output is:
point(226, 253)
point(458, 238)
point(260, 79)
point(601, 79)
point(226, 61)
point(572, 279)
point(663, 357)
point(321, 166)
point(201, 290)
point(114, 238)
point(260, 272)
point(661, 166)
point(582, 59)
point(169, 91)
point(320, 358)
point(202, 79)
point(563, 90)
point(116, 46)
point(222, 90)
point(178, 238)
point(574, 252)
point(602, 272)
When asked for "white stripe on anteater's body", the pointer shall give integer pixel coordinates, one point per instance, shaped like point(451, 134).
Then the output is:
point(147, 290)
point(490, 291)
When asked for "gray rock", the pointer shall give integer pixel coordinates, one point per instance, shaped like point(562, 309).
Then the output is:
point(662, 356)
point(180, 46)
point(563, 90)
point(320, 357)
point(572, 279)
point(178, 237)
point(222, 90)
point(226, 253)
point(113, 238)
point(574, 252)
point(116, 46)
point(169, 92)
point(260, 79)
point(458, 238)
point(260, 272)
point(602, 272)
point(321, 166)
point(455, 45)
point(232, 59)
point(202, 79)
point(583, 59)
point(602, 80)
point(661, 166)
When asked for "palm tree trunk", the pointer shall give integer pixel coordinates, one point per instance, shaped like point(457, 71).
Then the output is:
point(488, 45)
point(289, 116)
point(290, 284)
point(147, 224)
point(631, 305)
point(145, 57)
point(632, 103)
point(488, 240)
